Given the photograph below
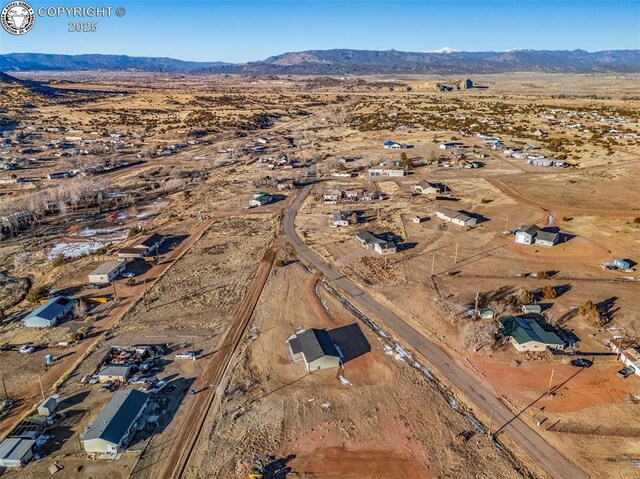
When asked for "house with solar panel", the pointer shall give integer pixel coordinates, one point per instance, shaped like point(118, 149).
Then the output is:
point(116, 425)
point(50, 313)
point(526, 334)
point(316, 348)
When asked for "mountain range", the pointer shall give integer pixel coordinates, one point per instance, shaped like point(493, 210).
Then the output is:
point(347, 62)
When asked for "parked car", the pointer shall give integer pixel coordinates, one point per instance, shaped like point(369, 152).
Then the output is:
point(160, 385)
point(624, 373)
point(128, 275)
point(93, 379)
point(581, 363)
point(26, 349)
point(186, 355)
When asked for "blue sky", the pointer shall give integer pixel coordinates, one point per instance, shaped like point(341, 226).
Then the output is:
point(238, 31)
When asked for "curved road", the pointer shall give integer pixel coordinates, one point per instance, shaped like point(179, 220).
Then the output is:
point(471, 386)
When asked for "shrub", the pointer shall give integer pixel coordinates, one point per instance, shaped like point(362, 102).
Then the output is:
point(37, 293)
point(549, 292)
point(136, 230)
point(279, 263)
point(542, 275)
point(636, 220)
point(59, 260)
point(524, 297)
point(131, 282)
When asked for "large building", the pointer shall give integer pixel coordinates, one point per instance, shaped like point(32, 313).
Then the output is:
point(112, 430)
point(114, 372)
point(317, 349)
point(50, 313)
point(107, 272)
point(525, 334)
point(16, 451)
point(375, 172)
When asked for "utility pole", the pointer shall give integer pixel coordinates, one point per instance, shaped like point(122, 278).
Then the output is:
point(550, 380)
point(41, 388)
point(506, 223)
point(455, 258)
point(477, 299)
point(115, 292)
point(490, 424)
point(433, 263)
point(4, 386)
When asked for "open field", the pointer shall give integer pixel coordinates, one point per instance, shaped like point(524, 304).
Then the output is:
point(205, 144)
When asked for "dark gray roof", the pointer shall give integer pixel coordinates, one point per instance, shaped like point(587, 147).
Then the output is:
point(295, 345)
point(15, 448)
point(530, 229)
point(115, 370)
point(546, 236)
point(150, 240)
point(315, 344)
point(118, 416)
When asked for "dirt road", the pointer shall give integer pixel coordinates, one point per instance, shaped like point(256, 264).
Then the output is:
point(178, 458)
point(474, 388)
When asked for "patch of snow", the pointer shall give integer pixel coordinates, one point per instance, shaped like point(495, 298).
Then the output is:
point(443, 50)
point(344, 380)
point(325, 405)
point(74, 250)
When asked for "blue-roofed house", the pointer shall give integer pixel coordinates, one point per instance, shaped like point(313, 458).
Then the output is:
point(50, 313)
point(392, 144)
point(113, 429)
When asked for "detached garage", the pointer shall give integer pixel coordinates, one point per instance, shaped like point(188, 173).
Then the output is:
point(16, 451)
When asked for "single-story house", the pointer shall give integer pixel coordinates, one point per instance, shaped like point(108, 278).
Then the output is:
point(107, 272)
point(451, 145)
point(547, 238)
point(456, 217)
point(392, 145)
point(114, 427)
point(50, 313)
point(317, 349)
point(370, 241)
point(48, 406)
point(260, 199)
point(376, 172)
point(340, 218)
point(147, 246)
point(426, 188)
point(16, 451)
point(114, 372)
point(526, 234)
point(525, 334)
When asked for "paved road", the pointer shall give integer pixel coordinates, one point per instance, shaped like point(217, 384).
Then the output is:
point(471, 386)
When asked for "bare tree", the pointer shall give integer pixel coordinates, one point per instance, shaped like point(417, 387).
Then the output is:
point(477, 336)
point(80, 309)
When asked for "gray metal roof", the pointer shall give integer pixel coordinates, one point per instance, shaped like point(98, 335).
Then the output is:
point(117, 417)
point(315, 344)
point(114, 370)
point(107, 267)
point(367, 237)
point(529, 229)
point(15, 448)
point(546, 236)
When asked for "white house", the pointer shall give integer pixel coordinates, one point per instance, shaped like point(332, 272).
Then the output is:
point(340, 218)
point(107, 272)
point(526, 234)
point(456, 217)
point(451, 145)
point(317, 349)
point(376, 172)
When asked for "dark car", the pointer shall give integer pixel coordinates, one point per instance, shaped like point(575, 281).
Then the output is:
point(624, 373)
point(581, 363)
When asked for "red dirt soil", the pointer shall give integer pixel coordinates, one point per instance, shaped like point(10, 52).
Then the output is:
point(584, 387)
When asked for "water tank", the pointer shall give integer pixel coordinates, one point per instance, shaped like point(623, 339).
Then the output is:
point(48, 359)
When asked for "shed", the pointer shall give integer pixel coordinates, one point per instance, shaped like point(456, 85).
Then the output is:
point(114, 372)
point(16, 451)
point(317, 349)
point(107, 272)
point(50, 313)
point(48, 406)
point(115, 426)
